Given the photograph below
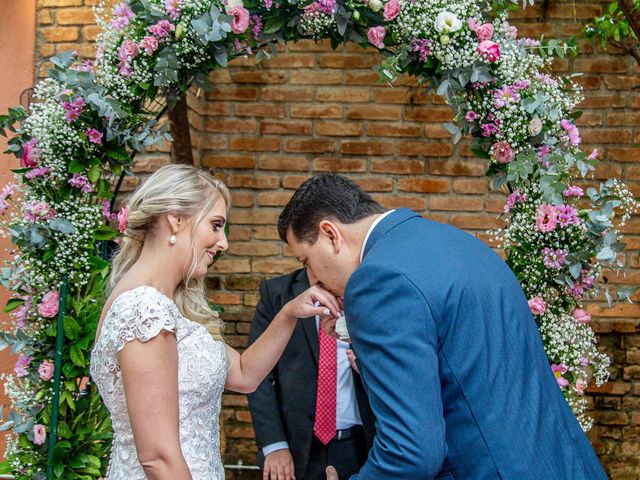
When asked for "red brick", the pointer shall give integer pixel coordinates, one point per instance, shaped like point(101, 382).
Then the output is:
point(374, 112)
point(339, 165)
point(286, 127)
point(75, 16)
point(274, 199)
point(259, 110)
point(423, 185)
point(316, 111)
point(228, 265)
point(366, 148)
point(230, 125)
point(276, 266)
point(339, 129)
point(429, 114)
point(462, 204)
point(242, 199)
point(426, 149)
point(253, 249)
point(476, 222)
point(226, 298)
point(412, 202)
point(604, 101)
point(233, 92)
point(258, 76)
point(469, 186)
point(283, 163)
point(217, 109)
point(603, 64)
point(616, 119)
point(59, 3)
point(374, 184)
point(262, 216)
point(90, 32)
point(590, 119)
point(266, 233)
point(434, 130)
point(287, 94)
point(291, 61)
point(229, 161)
point(344, 61)
point(255, 144)
point(293, 181)
point(311, 146)
point(625, 154)
point(361, 78)
point(308, 45)
point(252, 181)
point(407, 167)
point(609, 135)
point(343, 94)
point(621, 82)
point(315, 77)
point(469, 168)
point(588, 82)
point(237, 233)
point(60, 34)
point(377, 129)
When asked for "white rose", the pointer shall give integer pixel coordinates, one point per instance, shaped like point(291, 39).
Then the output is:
point(535, 126)
point(447, 22)
point(375, 5)
point(234, 3)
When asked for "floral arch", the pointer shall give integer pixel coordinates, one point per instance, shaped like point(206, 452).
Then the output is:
point(89, 118)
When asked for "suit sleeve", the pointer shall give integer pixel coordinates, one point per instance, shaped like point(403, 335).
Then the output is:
point(263, 403)
point(394, 337)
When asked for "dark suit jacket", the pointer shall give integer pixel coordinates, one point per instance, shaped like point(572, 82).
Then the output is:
point(454, 364)
point(283, 406)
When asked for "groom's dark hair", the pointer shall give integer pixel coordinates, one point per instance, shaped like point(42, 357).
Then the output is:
point(325, 196)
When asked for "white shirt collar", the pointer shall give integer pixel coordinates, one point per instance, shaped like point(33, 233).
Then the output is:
point(373, 225)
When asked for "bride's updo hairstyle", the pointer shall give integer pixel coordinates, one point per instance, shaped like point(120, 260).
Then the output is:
point(180, 190)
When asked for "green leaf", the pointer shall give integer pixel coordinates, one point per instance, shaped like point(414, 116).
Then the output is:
point(120, 154)
point(76, 166)
point(274, 24)
point(71, 328)
point(13, 304)
point(93, 174)
point(76, 355)
point(104, 232)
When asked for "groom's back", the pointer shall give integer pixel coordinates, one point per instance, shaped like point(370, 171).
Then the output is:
point(505, 416)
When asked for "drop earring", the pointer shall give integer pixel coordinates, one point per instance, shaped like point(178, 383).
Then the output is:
point(172, 240)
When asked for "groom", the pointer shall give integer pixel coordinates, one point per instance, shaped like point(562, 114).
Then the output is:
point(449, 352)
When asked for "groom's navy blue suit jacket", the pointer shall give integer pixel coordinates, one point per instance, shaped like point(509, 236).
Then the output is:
point(453, 363)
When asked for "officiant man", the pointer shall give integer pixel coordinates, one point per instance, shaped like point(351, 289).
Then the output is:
point(311, 411)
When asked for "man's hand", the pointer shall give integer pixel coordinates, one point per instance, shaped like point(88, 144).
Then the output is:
point(352, 360)
point(332, 474)
point(278, 465)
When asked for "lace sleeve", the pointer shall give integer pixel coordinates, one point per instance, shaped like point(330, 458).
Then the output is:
point(143, 316)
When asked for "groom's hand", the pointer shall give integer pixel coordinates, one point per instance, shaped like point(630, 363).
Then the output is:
point(278, 465)
point(332, 474)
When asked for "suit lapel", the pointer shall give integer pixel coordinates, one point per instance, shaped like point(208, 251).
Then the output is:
point(390, 221)
point(308, 324)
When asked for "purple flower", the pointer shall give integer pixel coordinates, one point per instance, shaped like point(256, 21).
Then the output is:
point(21, 365)
point(268, 4)
point(8, 190)
point(567, 215)
point(573, 191)
point(36, 172)
point(106, 211)
point(584, 361)
point(558, 371)
point(423, 46)
point(489, 129)
point(576, 291)
point(572, 134)
point(173, 8)
point(588, 280)
point(327, 6)
point(38, 211)
point(162, 28)
point(505, 96)
point(94, 136)
point(122, 15)
point(78, 181)
point(74, 109)
point(553, 258)
point(514, 197)
point(4, 206)
point(547, 218)
point(470, 116)
point(257, 26)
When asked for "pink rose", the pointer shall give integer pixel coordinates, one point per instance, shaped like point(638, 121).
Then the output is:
point(30, 153)
point(503, 152)
point(123, 215)
point(580, 386)
point(376, 36)
point(489, 50)
point(484, 32)
point(537, 305)
point(45, 370)
point(149, 44)
point(581, 316)
point(48, 307)
point(128, 49)
point(473, 24)
point(240, 21)
point(39, 434)
point(391, 10)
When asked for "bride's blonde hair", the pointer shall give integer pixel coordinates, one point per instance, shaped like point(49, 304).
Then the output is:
point(180, 190)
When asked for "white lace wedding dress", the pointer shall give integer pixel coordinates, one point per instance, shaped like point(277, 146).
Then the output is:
point(141, 314)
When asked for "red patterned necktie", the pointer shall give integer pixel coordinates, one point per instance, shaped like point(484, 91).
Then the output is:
point(325, 425)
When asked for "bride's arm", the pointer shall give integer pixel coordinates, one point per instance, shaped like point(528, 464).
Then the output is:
point(150, 378)
point(246, 371)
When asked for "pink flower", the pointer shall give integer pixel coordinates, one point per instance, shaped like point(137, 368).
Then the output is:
point(489, 50)
point(149, 44)
point(547, 218)
point(593, 155)
point(122, 15)
point(257, 26)
point(74, 109)
point(162, 28)
point(576, 291)
point(473, 24)
point(511, 32)
point(21, 365)
point(8, 190)
point(504, 96)
point(581, 316)
point(484, 32)
point(558, 371)
point(78, 181)
point(240, 21)
point(326, 6)
point(376, 36)
point(38, 211)
point(553, 258)
point(581, 385)
point(36, 172)
point(39, 434)
point(514, 197)
point(128, 50)
point(30, 153)
point(489, 129)
point(573, 191)
point(106, 211)
point(94, 136)
point(173, 8)
point(422, 45)
point(123, 214)
point(502, 152)
point(573, 135)
point(391, 10)
point(471, 116)
point(45, 370)
point(48, 307)
point(567, 215)
point(584, 361)
point(537, 305)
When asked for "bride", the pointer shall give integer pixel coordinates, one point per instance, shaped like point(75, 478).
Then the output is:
point(158, 370)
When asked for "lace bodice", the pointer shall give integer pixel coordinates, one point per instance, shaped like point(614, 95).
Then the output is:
point(141, 314)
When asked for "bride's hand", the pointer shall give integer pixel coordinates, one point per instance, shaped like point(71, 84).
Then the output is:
point(313, 301)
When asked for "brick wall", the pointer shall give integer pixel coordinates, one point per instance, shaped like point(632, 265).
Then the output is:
point(266, 128)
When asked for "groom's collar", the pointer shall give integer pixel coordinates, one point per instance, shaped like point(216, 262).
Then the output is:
point(382, 225)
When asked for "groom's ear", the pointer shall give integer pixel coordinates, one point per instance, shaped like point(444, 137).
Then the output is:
point(331, 231)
